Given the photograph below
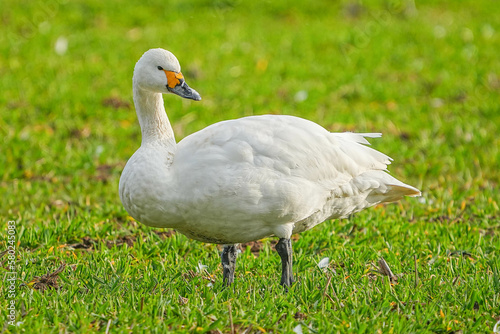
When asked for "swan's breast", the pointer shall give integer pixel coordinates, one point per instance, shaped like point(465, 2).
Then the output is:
point(147, 190)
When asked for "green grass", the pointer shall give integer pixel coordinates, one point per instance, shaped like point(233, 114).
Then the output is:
point(429, 79)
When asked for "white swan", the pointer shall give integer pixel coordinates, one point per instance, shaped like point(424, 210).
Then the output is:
point(244, 179)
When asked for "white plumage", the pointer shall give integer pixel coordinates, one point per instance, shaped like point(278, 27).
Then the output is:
point(245, 179)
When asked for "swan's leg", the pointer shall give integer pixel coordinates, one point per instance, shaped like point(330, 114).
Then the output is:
point(228, 257)
point(284, 249)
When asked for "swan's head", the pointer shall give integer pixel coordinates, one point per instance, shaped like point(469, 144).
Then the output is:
point(159, 71)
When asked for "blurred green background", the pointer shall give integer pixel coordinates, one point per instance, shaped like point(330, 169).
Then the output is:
point(426, 74)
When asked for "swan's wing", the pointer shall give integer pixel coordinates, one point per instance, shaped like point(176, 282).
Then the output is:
point(283, 145)
point(251, 166)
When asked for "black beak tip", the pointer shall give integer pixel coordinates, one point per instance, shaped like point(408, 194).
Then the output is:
point(183, 90)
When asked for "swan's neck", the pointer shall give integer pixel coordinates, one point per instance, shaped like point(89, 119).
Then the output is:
point(155, 126)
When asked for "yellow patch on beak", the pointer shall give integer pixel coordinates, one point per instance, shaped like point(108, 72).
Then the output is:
point(173, 78)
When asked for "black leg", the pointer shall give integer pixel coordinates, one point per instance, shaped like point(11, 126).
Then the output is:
point(228, 257)
point(284, 249)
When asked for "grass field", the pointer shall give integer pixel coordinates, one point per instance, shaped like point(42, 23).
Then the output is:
point(427, 76)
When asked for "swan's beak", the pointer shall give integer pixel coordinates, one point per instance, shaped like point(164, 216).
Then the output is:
point(178, 86)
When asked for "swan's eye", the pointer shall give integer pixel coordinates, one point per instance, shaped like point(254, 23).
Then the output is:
point(160, 68)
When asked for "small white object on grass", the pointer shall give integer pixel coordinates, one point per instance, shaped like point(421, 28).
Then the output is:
point(99, 149)
point(300, 96)
point(61, 45)
point(201, 267)
point(496, 329)
point(298, 329)
point(323, 263)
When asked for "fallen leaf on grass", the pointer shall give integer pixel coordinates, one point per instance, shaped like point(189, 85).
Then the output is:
point(3, 253)
point(256, 246)
point(104, 172)
point(86, 243)
point(463, 253)
point(163, 234)
point(300, 316)
point(81, 132)
point(127, 240)
point(116, 103)
point(214, 331)
point(204, 274)
point(183, 300)
point(47, 281)
point(386, 270)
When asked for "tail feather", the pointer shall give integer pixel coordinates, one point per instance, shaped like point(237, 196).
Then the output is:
point(396, 192)
point(389, 188)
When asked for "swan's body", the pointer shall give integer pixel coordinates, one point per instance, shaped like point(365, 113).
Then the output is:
point(249, 178)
